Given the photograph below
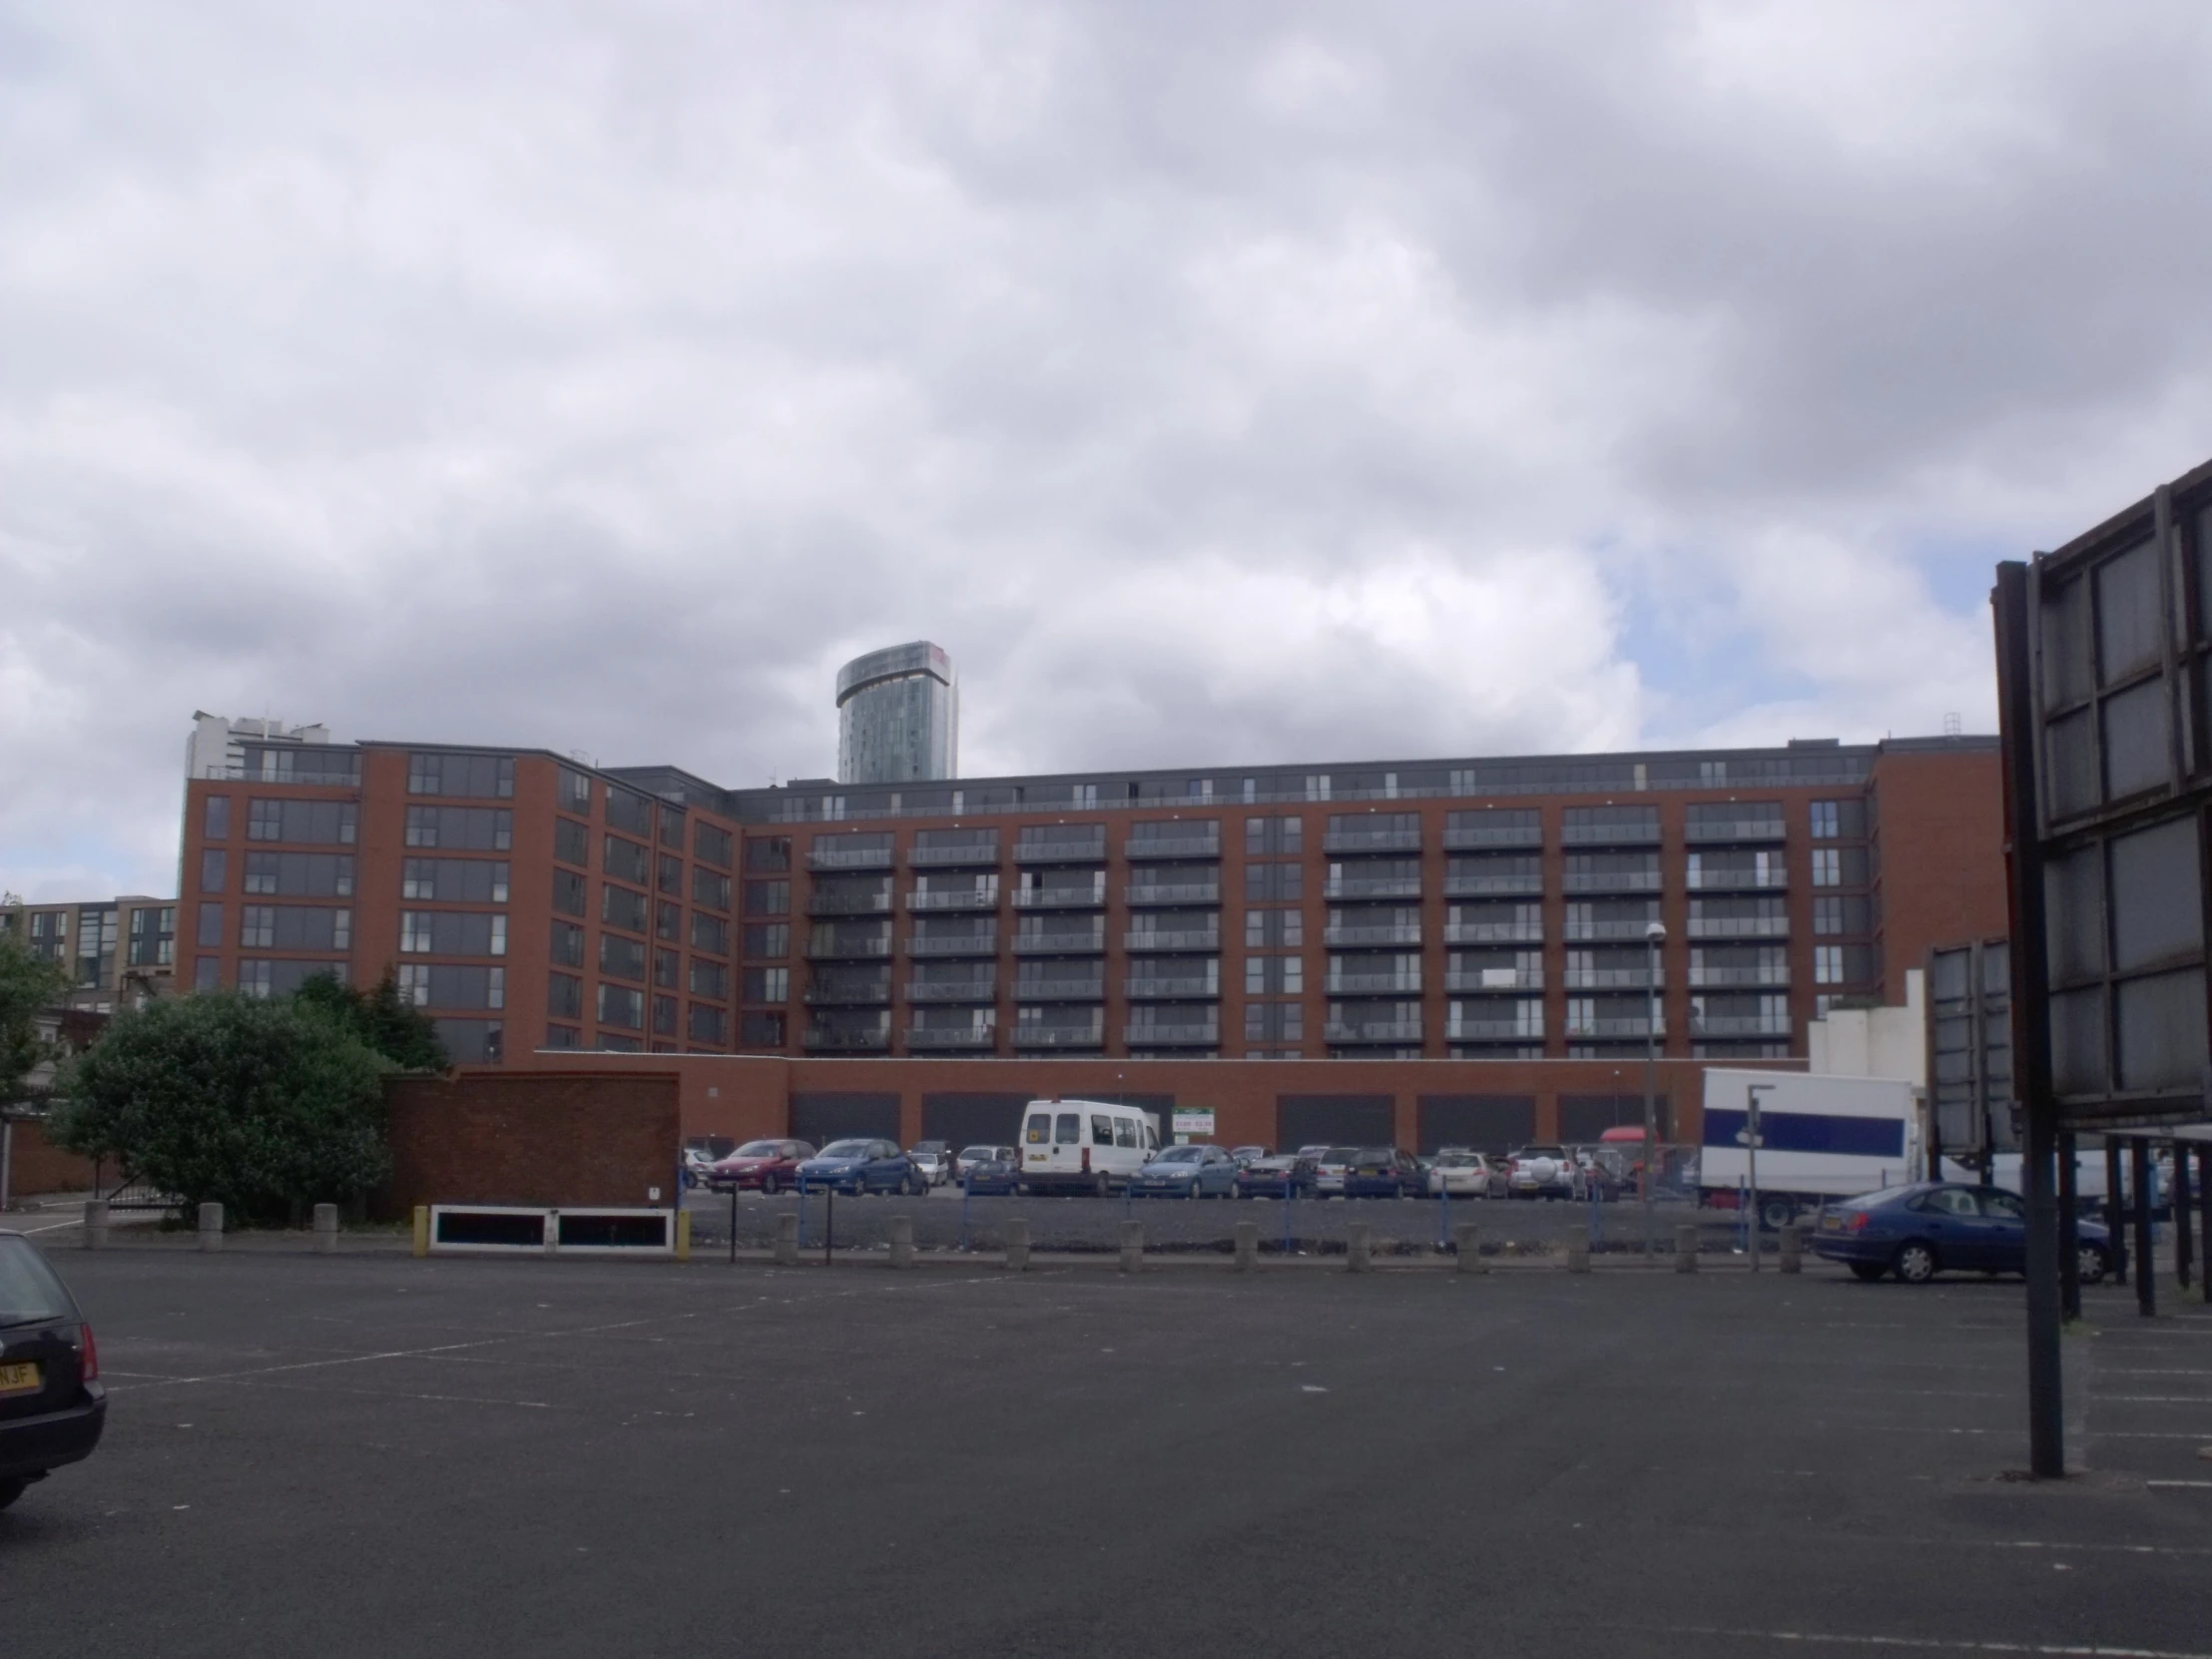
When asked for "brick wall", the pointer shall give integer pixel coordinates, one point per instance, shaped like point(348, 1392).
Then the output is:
point(1941, 829)
point(544, 1137)
point(35, 1165)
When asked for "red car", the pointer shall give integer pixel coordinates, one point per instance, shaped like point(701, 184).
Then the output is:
point(763, 1166)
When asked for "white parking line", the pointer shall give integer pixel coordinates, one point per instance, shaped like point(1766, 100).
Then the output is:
point(1931, 1644)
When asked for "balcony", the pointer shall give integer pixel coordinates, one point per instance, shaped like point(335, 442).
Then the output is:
point(1171, 1036)
point(1609, 835)
point(958, 898)
point(1059, 1037)
point(1738, 881)
point(848, 904)
point(1713, 978)
point(1488, 836)
point(1493, 1031)
point(1196, 844)
point(1092, 989)
point(1636, 1027)
point(1610, 881)
point(919, 1037)
point(1739, 1025)
point(1633, 928)
point(1706, 832)
point(1353, 933)
point(846, 1042)
point(1371, 840)
point(1173, 892)
point(1493, 932)
point(1609, 979)
point(1508, 979)
point(1086, 847)
point(849, 858)
point(1738, 928)
point(1495, 886)
point(831, 951)
point(979, 944)
point(1374, 984)
point(1371, 886)
point(1188, 939)
point(953, 858)
point(983, 989)
point(1060, 898)
point(874, 993)
point(1172, 989)
point(1371, 1031)
point(1061, 945)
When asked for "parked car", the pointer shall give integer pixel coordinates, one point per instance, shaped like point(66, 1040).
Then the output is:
point(52, 1402)
point(1917, 1232)
point(1286, 1176)
point(990, 1169)
point(1465, 1174)
point(1187, 1172)
point(1330, 1164)
point(1247, 1153)
point(1602, 1167)
point(766, 1167)
point(700, 1154)
point(934, 1159)
point(1540, 1172)
point(857, 1167)
point(1383, 1172)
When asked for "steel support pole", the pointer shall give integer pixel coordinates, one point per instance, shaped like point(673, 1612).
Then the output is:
point(2205, 1214)
point(2139, 1203)
point(2069, 1237)
point(2030, 995)
point(2115, 1213)
point(2182, 1240)
point(1651, 1091)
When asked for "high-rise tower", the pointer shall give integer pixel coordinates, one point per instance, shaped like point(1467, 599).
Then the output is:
point(899, 716)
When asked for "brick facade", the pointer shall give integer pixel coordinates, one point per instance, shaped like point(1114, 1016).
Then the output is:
point(542, 1137)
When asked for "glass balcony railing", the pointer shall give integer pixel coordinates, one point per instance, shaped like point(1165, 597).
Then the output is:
point(1143, 990)
point(1371, 840)
point(1379, 932)
point(1633, 927)
point(1609, 835)
point(1196, 844)
point(1484, 835)
point(1706, 978)
point(1734, 829)
point(950, 1036)
point(1060, 898)
point(858, 994)
point(1738, 928)
point(1188, 939)
point(1069, 943)
point(1493, 932)
point(1636, 1027)
point(1173, 892)
point(1371, 886)
point(1166, 1036)
point(848, 903)
point(1088, 847)
point(1493, 1030)
point(957, 944)
point(1621, 978)
point(1495, 886)
point(1737, 880)
point(1739, 1025)
point(952, 990)
point(957, 898)
point(834, 949)
point(1610, 881)
point(1092, 989)
point(1495, 979)
point(941, 857)
point(1371, 1031)
point(849, 858)
point(1059, 1037)
point(1374, 984)
point(846, 1042)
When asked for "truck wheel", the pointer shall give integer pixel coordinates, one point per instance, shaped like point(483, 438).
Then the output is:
point(1913, 1264)
point(1776, 1213)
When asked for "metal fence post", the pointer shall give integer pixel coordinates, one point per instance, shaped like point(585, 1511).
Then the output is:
point(966, 1193)
point(2141, 1179)
point(211, 1227)
point(733, 1223)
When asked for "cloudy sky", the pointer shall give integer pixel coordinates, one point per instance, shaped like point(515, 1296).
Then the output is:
point(1218, 382)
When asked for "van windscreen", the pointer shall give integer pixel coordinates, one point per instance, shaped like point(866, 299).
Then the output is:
point(1069, 1130)
point(1040, 1130)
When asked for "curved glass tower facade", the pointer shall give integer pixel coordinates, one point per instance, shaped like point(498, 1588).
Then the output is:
point(899, 716)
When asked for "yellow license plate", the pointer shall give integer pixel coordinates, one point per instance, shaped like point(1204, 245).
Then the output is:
point(15, 1378)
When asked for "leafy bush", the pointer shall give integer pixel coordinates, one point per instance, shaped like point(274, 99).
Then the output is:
point(398, 1030)
point(29, 985)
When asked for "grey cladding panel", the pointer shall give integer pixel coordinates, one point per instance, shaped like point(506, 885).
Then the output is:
point(973, 1119)
point(1486, 1122)
point(1334, 1120)
point(825, 1117)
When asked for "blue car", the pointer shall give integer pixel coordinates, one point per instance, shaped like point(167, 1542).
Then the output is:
point(858, 1167)
point(990, 1169)
point(1917, 1232)
point(1187, 1172)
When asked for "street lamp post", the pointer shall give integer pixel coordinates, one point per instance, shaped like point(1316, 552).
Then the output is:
point(1655, 935)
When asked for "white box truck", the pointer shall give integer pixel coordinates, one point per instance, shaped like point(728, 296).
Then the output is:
point(1820, 1138)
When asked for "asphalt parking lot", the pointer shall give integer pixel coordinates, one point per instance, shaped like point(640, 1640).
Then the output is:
point(378, 1456)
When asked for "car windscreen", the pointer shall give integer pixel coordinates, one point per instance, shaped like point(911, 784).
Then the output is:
point(1340, 1154)
point(1867, 1201)
point(760, 1149)
point(1179, 1155)
point(930, 1146)
point(29, 1291)
point(848, 1149)
point(979, 1154)
point(1376, 1155)
point(1458, 1159)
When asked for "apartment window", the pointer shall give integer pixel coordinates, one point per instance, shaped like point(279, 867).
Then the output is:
point(1274, 835)
point(709, 1024)
point(710, 845)
point(1827, 964)
point(709, 979)
point(317, 823)
point(301, 874)
point(1317, 785)
point(571, 842)
point(1827, 866)
point(214, 870)
point(485, 777)
point(1265, 881)
point(664, 1016)
point(672, 827)
point(207, 971)
point(256, 926)
point(564, 996)
point(626, 860)
point(669, 874)
point(709, 890)
point(668, 921)
point(210, 925)
point(667, 965)
point(767, 984)
point(769, 939)
point(1269, 1022)
point(153, 936)
point(762, 1030)
point(452, 934)
point(216, 819)
point(568, 894)
point(620, 907)
point(621, 1008)
point(622, 957)
point(462, 829)
point(627, 809)
point(443, 985)
point(767, 852)
point(1824, 817)
point(573, 792)
point(454, 880)
point(710, 933)
point(767, 899)
point(568, 944)
point(563, 1036)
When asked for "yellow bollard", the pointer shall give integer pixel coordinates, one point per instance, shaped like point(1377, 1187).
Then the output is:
point(422, 1229)
point(683, 1235)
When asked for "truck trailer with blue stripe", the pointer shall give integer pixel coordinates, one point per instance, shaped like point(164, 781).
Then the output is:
point(1818, 1138)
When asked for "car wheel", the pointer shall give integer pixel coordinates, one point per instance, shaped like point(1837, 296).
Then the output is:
point(10, 1490)
point(1869, 1271)
point(1914, 1263)
point(2089, 1265)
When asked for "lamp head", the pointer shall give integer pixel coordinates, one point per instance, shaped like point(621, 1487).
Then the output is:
point(1655, 932)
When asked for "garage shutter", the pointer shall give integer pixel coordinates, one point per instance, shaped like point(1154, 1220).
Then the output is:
point(1334, 1120)
point(1486, 1122)
point(823, 1118)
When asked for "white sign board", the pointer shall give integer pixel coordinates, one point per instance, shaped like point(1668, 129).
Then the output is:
point(1195, 1122)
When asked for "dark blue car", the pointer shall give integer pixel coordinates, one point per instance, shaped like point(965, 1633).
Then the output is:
point(990, 1169)
point(1919, 1232)
point(857, 1167)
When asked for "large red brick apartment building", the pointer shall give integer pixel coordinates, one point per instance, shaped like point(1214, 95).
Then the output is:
point(1449, 950)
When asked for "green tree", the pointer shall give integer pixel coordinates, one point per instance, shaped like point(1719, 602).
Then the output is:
point(396, 1029)
point(264, 1106)
point(29, 986)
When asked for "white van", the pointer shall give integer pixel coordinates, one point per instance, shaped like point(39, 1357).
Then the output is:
point(1087, 1146)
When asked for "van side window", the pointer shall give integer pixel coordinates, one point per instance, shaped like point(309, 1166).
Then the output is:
point(1069, 1129)
point(1040, 1130)
point(1151, 1139)
point(1102, 1129)
point(1125, 1132)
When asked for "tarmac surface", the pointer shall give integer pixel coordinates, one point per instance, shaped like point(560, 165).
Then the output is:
point(367, 1454)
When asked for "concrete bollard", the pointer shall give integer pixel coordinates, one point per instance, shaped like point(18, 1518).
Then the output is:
point(786, 1241)
point(96, 1224)
point(552, 1232)
point(1685, 1249)
point(325, 1229)
point(1132, 1246)
point(1792, 1249)
point(902, 1241)
point(422, 1229)
point(1017, 1245)
point(1248, 1246)
point(1466, 1240)
point(1357, 1256)
point(211, 1227)
point(1578, 1254)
